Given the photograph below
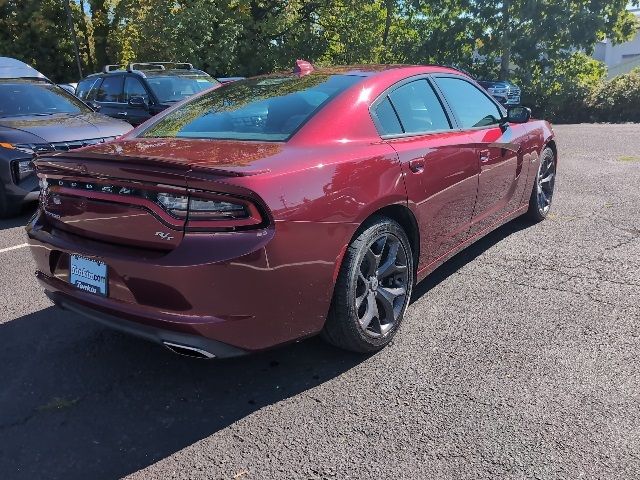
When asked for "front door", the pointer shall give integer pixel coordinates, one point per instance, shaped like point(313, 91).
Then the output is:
point(136, 114)
point(497, 146)
point(110, 98)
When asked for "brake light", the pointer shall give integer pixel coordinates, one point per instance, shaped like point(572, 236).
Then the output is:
point(211, 211)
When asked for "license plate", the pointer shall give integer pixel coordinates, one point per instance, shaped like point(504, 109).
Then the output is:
point(88, 275)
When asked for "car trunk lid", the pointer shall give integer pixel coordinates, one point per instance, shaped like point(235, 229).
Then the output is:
point(112, 201)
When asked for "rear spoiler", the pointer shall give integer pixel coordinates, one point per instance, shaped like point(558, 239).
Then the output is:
point(175, 164)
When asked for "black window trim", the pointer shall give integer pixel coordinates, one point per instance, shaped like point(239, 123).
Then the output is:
point(453, 121)
point(501, 109)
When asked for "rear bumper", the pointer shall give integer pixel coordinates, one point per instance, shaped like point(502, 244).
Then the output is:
point(154, 334)
point(249, 290)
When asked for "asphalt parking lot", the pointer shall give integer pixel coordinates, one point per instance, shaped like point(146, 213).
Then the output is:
point(519, 358)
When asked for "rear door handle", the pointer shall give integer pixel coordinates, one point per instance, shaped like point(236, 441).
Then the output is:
point(122, 114)
point(484, 155)
point(416, 165)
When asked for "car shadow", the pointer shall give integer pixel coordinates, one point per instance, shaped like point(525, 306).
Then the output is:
point(469, 254)
point(81, 401)
point(21, 219)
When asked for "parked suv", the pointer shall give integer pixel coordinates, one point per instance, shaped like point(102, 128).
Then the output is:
point(141, 90)
point(38, 116)
point(505, 92)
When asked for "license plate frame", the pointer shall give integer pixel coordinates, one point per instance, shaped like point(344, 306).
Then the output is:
point(88, 275)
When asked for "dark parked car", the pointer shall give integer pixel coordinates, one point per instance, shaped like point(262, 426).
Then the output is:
point(505, 92)
point(37, 116)
point(141, 90)
point(278, 207)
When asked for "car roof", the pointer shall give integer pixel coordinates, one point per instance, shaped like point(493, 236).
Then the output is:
point(177, 72)
point(373, 70)
point(13, 68)
point(368, 70)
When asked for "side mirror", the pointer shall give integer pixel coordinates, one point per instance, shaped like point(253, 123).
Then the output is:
point(94, 106)
point(518, 114)
point(138, 102)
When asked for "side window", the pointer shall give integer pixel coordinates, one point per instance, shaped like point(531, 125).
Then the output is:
point(110, 90)
point(472, 107)
point(418, 107)
point(387, 119)
point(85, 86)
point(134, 88)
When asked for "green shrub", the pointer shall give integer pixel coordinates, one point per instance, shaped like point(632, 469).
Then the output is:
point(559, 91)
point(617, 100)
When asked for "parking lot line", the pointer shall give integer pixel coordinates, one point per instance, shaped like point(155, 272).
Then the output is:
point(15, 247)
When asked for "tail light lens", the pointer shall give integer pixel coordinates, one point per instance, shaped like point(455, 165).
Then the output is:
point(211, 211)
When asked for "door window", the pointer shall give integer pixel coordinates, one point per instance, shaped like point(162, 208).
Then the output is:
point(134, 88)
point(388, 122)
point(111, 90)
point(86, 87)
point(418, 108)
point(472, 107)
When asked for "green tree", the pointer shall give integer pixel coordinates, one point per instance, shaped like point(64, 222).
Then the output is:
point(522, 33)
point(35, 31)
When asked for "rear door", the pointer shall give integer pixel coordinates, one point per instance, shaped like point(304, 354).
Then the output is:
point(497, 146)
point(440, 170)
point(110, 97)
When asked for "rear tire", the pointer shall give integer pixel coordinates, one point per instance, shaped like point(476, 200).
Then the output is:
point(543, 187)
point(373, 288)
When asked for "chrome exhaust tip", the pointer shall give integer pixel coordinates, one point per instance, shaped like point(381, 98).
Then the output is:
point(188, 351)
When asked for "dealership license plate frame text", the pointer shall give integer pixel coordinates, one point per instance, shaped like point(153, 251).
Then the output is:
point(88, 274)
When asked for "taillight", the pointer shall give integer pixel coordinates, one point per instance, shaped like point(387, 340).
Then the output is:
point(176, 205)
point(211, 211)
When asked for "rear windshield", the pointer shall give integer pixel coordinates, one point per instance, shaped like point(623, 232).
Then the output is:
point(267, 108)
point(26, 97)
point(179, 87)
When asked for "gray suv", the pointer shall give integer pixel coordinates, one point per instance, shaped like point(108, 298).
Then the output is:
point(37, 116)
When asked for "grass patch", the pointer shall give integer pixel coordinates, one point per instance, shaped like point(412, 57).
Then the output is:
point(629, 158)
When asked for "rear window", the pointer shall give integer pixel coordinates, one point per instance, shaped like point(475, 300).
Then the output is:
point(267, 108)
point(25, 97)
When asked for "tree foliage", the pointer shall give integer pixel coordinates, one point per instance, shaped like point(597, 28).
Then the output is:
point(534, 42)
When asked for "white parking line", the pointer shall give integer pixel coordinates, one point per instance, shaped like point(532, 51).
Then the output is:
point(15, 247)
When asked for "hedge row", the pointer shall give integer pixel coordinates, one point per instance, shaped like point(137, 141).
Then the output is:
point(575, 90)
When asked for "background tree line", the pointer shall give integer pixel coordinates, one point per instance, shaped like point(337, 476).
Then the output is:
point(543, 44)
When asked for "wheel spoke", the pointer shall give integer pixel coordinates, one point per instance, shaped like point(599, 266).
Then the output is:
point(372, 263)
point(360, 299)
point(543, 196)
point(389, 265)
point(548, 178)
point(371, 312)
point(386, 298)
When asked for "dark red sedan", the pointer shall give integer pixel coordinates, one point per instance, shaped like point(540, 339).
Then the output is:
point(282, 206)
